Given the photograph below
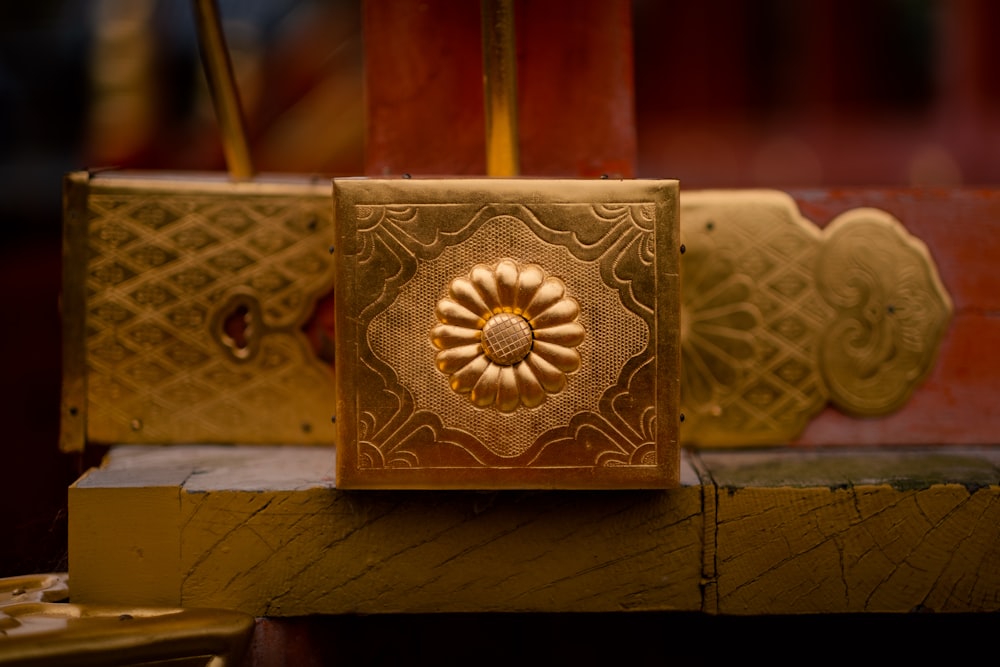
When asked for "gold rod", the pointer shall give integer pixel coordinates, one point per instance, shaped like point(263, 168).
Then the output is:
point(222, 85)
point(500, 87)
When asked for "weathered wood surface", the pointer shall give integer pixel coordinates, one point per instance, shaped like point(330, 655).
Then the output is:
point(882, 531)
point(263, 530)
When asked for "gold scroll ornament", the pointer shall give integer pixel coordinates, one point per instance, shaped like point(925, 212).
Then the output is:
point(780, 317)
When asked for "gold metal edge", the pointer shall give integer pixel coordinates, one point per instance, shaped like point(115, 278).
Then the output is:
point(668, 340)
point(116, 182)
point(501, 190)
point(344, 251)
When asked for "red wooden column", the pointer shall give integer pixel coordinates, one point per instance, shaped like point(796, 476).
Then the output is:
point(424, 87)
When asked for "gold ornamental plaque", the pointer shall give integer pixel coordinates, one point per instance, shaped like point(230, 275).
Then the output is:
point(506, 333)
point(158, 268)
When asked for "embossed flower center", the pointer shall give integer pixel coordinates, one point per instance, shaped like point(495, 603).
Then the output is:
point(506, 338)
point(507, 335)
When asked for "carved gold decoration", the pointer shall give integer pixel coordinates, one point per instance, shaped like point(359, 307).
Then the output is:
point(891, 312)
point(584, 273)
point(183, 299)
point(779, 317)
point(507, 336)
point(186, 298)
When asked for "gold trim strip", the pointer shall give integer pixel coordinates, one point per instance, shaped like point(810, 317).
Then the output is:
point(500, 88)
point(222, 85)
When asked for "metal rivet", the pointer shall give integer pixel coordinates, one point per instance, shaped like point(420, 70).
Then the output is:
point(683, 249)
point(74, 411)
point(682, 416)
point(333, 419)
point(125, 617)
point(407, 175)
point(136, 424)
point(709, 226)
point(307, 428)
point(604, 177)
point(18, 591)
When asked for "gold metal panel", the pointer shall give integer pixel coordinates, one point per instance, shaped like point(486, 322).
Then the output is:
point(184, 301)
point(506, 333)
point(779, 317)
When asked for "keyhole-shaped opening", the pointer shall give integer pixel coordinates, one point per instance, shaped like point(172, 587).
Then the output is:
point(236, 329)
point(238, 326)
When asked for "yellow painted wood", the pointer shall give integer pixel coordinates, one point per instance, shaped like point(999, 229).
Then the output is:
point(125, 542)
point(321, 551)
point(264, 531)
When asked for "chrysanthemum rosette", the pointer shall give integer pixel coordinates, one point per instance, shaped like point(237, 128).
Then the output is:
point(507, 335)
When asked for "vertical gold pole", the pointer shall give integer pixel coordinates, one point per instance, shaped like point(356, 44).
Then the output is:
point(222, 85)
point(500, 87)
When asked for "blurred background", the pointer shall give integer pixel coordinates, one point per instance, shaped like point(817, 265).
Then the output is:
point(728, 93)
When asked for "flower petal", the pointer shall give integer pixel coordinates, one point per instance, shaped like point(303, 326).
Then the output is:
point(528, 282)
point(563, 311)
point(506, 281)
point(532, 394)
point(565, 359)
point(484, 282)
point(485, 391)
point(507, 394)
point(444, 336)
point(466, 377)
point(464, 294)
point(548, 294)
point(551, 378)
point(450, 312)
point(569, 335)
point(452, 359)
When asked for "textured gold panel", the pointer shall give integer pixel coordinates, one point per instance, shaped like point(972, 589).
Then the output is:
point(185, 300)
point(506, 333)
point(779, 317)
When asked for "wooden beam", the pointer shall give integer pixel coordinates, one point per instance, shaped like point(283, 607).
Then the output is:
point(263, 530)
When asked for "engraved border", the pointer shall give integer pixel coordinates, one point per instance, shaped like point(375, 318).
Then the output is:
point(353, 303)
